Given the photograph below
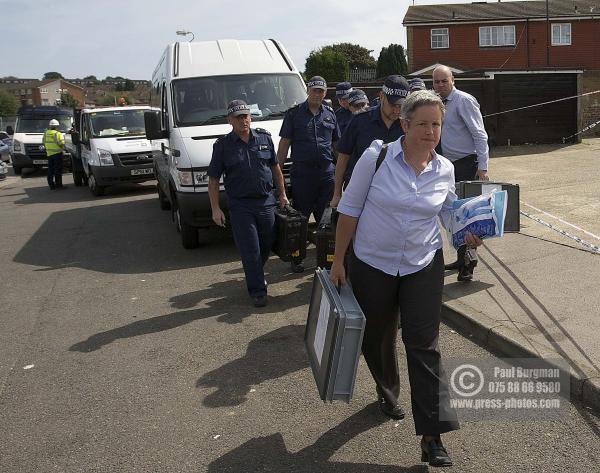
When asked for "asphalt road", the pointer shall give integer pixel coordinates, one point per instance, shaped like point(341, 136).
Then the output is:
point(122, 352)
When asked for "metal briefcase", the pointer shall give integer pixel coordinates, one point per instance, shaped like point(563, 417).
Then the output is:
point(512, 221)
point(333, 337)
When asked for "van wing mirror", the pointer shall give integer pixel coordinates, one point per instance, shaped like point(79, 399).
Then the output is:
point(10, 130)
point(152, 123)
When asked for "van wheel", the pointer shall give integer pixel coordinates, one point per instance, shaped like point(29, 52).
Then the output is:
point(95, 189)
point(17, 170)
point(162, 198)
point(189, 234)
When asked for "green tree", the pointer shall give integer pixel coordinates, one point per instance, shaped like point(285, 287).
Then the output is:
point(8, 104)
point(68, 100)
point(356, 55)
point(52, 75)
point(111, 100)
point(331, 65)
point(392, 60)
point(91, 78)
point(128, 85)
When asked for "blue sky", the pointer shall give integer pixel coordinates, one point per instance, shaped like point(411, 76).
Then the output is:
point(126, 38)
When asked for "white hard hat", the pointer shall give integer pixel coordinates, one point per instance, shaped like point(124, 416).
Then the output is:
point(54, 122)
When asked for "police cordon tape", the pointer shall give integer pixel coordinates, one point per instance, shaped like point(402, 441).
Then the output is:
point(591, 247)
point(564, 138)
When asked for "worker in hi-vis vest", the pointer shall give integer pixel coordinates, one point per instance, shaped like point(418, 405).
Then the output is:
point(54, 142)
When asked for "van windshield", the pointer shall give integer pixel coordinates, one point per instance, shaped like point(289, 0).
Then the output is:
point(117, 123)
point(203, 100)
point(40, 125)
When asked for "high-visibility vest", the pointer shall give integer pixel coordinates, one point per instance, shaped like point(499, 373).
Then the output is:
point(53, 141)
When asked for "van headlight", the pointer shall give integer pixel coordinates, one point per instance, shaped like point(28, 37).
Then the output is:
point(105, 158)
point(186, 178)
point(16, 146)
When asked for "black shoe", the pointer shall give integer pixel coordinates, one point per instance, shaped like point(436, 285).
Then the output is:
point(259, 301)
point(393, 411)
point(61, 187)
point(434, 453)
point(465, 274)
point(52, 188)
point(452, 266)
point(297, 267)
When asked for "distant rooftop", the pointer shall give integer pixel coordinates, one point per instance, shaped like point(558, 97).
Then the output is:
point(486, 11)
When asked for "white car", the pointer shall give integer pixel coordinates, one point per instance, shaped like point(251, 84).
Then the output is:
point(3, 170)
point(5, 141)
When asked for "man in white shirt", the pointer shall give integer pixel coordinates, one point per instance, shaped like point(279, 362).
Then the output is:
point(464, 143)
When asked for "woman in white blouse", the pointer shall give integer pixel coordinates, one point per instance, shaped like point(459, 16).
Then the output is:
point(390, 212)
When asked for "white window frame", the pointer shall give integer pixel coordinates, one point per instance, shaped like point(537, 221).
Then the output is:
point(563, 37)
point(497, 36)
point(440, 35)
point(43, 91)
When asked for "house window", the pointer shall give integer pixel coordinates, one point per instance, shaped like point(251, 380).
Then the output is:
point(490, 36)
point(44, 91)
point(439, 38)
point(561, 34)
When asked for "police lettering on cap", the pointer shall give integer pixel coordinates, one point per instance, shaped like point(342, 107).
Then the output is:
point(237, 107)
point(395, 88)
point(342, 90)
point(417, 84)
point(317, 82)
point(357, 96)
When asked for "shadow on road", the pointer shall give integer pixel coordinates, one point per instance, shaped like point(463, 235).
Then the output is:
point(42, 194)
point(271, 454)
point(228, 301)
point(121, 238)
point(270, 356)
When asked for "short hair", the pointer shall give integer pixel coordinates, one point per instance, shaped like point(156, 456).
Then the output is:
point(418, 99)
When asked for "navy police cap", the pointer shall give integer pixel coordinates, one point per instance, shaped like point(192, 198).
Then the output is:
point(317, 82)
point(342, 90)
point(395, 89)
point(417, 84)
point(357, 96)
point(237, 107)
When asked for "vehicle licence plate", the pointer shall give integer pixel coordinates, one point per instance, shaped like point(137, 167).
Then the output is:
point(40, 161)
point(137, 172)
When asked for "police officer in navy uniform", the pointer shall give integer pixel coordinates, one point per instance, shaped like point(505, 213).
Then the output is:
point(310, 128)
point(381, 122)
point(247, 159)
point(343, 114)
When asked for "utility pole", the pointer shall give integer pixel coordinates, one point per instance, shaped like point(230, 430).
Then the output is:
point(548, 35)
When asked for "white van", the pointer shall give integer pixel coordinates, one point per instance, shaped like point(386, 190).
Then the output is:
point(110, 147)
point(191, 86)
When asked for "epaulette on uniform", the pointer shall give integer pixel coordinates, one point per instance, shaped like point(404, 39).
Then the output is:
point(327, 107)
point(262, 130)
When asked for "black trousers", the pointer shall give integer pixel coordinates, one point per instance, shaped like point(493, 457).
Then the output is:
point(55, 165)
point(418, 299)
point(465, 169)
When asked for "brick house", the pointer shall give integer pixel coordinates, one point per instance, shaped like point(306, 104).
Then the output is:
point(505, 36)
point(501, 51)
point(48, 92)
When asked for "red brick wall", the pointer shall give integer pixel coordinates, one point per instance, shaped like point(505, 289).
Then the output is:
point(530, 53)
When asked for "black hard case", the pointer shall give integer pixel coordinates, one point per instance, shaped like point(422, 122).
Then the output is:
point(292, 229)
point(325, 238)
point(512, 221)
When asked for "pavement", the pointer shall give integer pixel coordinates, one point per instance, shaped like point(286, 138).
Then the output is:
point(535, 293)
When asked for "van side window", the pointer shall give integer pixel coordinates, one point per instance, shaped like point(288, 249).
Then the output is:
point(164, 115)
point(155, 95)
